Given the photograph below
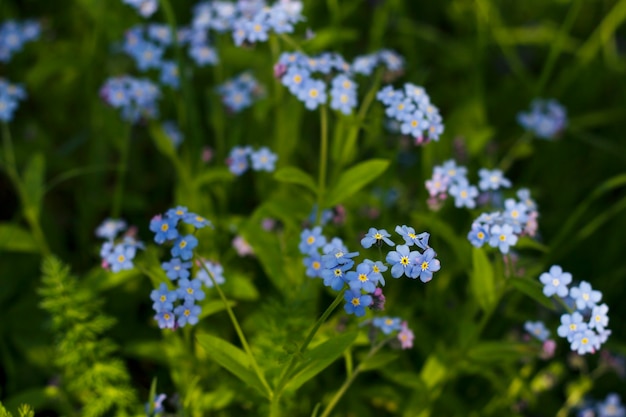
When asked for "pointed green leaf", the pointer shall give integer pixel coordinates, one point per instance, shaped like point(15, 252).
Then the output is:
point(482, 279)
point(295, 175)
point(500, 351)
point(533, 289)
point(162, 142)
point(232, 359)
point(14, 238)
point(355, 179)
point(319, 358)
point(34, 182)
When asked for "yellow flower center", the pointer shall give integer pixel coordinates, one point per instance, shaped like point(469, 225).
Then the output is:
point(346, 84)
point(310, 240)
point(404, 260)
point(556, 282)
point(502, 238)
point(189, 290)
point(166, 316)
point(586, 297)
point(297, 79)
point(162, 298)
point(388, 322)
point(584, 340)
point(378, 236)
point(480, 235)
point(187, 313)
point(316, 265)
point(338, 272)
point(356, 301)
point(572, 327)
point(362, 277)
point(182, 244)
point(121, 258)
point(165, 227)
point(375, 269)
point(257, 28)
point(464, 194)
point(424, 266)
point(313, 93)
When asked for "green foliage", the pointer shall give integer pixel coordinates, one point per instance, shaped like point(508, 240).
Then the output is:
point(92, 375)
point(23, 410)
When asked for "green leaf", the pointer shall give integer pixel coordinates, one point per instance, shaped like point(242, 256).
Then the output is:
point(213, 175)
point(213, 306)
point(526, 242)
point(354, 179)
point(295, 175)
point(162, 142)
point(533, 289)
point(232, 359)
point(34, 183)
point(482, 279)
point(500, 351)
point(14, 238)
point(319, 358)
point(379, 360)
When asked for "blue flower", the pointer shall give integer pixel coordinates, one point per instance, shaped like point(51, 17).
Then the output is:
point(611, 407)
point(356, 302)
point(163, 298)
point(169, 74)
point(502, 237)
point(190, 290)
point(263, 160)
point(121, 258)
point(492, 179)
point(555, 281)
point(585, 296)
point(410, 238)
point(196, 220)
point(377, 268)
point(537, 329)
point(337, 256)
point(424, 266)
point(599, 318)
point(312, 93)
point(183, 247)
point(176, 269)
point(335, 276)
point(546, 119)
point(109, 228)
point(464, 195)
point(187, 313)
point(311, 240)
point(375, 236)
point(215, 269)
point(585, 341)
point(164, 229)
point(295, 78)
point(400, 261)
point(387, 324)
point(571, 324)
point(362, 279)
point(203, 54)
point(478, 235)
point(166, 319)
point(145, 8)
point(177, 213)
point(313, 264)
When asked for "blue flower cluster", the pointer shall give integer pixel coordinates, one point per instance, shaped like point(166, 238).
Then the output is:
point(546, 118)
point(334, 264)
point(296, 71)
point(537, 329)
point(239, 92)
point(145, 8)
point(189, 291)
point(366, 64)
point(388, 325)
point(10, 96)
point(117, 256)
point(146, 44)
point(137, 98)
point(450, 178)
point(611, 407)
point(13, 36)
point(412, 109)
point(585, 327)
point(240, 157)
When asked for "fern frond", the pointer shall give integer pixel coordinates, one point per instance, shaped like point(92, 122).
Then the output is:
point(91, 374)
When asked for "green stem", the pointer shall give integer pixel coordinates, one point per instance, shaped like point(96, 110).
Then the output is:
point(351, 377)
point(237, 327)
point(321, 186)
point(557, 46)
point(118, 195)
point(192, 123)
point(353, 133)
point(296, 357)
